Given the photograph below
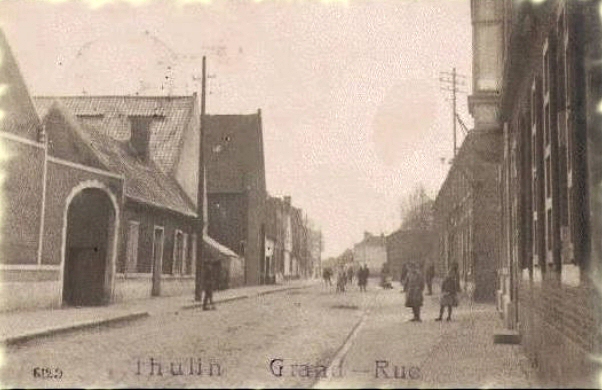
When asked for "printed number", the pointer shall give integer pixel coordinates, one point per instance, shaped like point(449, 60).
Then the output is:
point(47, 373)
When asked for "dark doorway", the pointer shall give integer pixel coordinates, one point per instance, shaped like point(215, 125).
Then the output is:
point(90, 219)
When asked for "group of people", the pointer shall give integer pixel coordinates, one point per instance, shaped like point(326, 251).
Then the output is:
point(346, 276)
point(414, 282)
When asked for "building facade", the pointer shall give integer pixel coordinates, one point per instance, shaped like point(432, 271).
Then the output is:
point(372, 251)
point(466, 214)
point(236, 189)
point(549, 181)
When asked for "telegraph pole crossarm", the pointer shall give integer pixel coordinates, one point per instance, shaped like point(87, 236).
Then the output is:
point(450, 83)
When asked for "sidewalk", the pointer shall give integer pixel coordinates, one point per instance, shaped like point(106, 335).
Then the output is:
point(430, 354)
point(20, 327)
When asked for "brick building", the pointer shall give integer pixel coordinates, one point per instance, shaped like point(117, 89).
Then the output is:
point(549, 80)
point(236, 189)
point(466, 213)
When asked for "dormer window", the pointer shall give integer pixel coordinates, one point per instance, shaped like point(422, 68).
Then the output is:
point(140, 138)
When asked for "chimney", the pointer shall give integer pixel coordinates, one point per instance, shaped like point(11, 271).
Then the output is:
point(366, 235)
point(140, 136)
point(287, 201)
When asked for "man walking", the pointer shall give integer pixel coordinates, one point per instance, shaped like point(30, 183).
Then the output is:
point(209, 283)
point(404, 276)
point(362, 277)
point(415, 287)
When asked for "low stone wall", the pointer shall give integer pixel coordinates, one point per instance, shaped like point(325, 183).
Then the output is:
point(29, 289)
point(138, 286)
point(29, 295)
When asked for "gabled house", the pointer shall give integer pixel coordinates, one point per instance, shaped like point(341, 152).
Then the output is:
point(142, 140)
point(236, 188)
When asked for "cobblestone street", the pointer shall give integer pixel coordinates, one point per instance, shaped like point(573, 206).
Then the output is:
point(301, 330)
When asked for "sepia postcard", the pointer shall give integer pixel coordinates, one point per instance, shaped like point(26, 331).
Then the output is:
point(300, 193)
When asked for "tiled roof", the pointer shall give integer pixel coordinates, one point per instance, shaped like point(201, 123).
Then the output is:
point(233, 152)
point(372, 240)
point(110, 115)
point(144, 182)
point(18, 113)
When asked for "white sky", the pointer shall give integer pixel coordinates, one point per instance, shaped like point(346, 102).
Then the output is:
point(353, 117)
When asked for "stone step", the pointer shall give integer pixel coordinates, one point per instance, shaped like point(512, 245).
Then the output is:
point(506, 336)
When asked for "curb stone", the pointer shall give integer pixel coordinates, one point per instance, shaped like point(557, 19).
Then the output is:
point(16, 340)
point(197, 305)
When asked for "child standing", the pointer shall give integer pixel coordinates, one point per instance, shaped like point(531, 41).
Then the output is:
point(449, 292)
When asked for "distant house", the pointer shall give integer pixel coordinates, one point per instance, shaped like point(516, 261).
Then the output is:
point(372, 251)
point(280, 230)
point(411, 245)
point(299, 255)
point(236, 189)
point(274, 263)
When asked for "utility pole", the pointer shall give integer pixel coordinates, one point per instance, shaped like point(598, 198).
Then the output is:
point(198, 286)
point(450, 83)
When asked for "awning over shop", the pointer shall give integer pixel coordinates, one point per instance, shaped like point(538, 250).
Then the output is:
point(216, 251)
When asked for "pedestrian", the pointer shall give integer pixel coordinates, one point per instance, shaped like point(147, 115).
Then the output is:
point(430, 275)
point(366, 275)
point(209, 284)
point(326, 274)
point(362, 277)
point(404, 276)
point(350, 274)
point(341, 279)
point(415, 287)
point(449, 292)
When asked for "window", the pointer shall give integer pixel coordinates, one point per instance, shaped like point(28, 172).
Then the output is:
point(157, 260)
point(548, 177)
point(191, 268)
point(178, 253)
point(185, 255)
point(131, 262)
point(549, 229)
point(535, 236)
